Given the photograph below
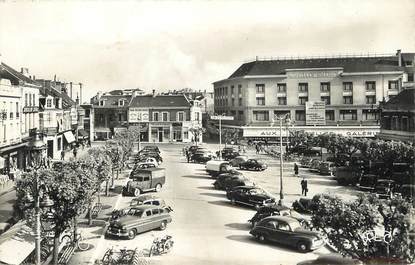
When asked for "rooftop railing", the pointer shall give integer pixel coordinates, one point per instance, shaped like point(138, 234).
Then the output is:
point(332, 56)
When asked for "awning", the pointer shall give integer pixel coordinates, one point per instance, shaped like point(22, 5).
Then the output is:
point(16, 244)
point(69, 137)
point(12, 148)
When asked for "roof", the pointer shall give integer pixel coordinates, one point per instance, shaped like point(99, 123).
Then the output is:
point(150, 101)
point(6, 70)
point(111, 101)
point(405, 100)
point(281, 218)
point(51, 90)
point(349, 64)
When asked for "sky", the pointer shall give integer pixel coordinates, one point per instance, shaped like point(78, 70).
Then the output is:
point(166, 45)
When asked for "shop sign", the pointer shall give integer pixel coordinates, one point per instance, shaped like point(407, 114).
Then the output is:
point(30, 109)
point(138, 115)
point(315, 113)
point(220, 117)
point(311, 74)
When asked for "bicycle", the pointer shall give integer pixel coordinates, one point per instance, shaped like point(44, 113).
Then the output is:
point(123, 256)
point(78, 241)
point(161, 246)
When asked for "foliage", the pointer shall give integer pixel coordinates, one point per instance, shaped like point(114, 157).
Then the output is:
point(230, 134)
point(348, 225)
point(196, 132)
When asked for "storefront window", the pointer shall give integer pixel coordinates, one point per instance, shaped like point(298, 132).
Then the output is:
point(261, 115)
point(348, 115)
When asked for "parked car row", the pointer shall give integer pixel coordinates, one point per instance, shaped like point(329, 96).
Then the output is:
point(199, 154)
point(316, 165)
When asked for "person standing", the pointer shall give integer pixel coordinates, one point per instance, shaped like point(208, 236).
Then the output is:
point(188, 156)
point(63, 155)
point(304, 187)
point(296, 169)
point(75, 152)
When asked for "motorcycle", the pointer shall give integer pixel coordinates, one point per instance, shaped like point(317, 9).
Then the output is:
point(161, 246)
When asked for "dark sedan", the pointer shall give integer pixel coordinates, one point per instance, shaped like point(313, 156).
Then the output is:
point(249, 195)
point(287, 231)
point(253, 164)
point(202, 156)
point(272, 210)
point(232, 181)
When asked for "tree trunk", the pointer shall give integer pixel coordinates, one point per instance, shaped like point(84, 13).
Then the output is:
point(107, 186)
point(56, 248)
point(90, 214)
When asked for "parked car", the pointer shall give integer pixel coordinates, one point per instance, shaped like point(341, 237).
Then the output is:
point(315, 165)
point(384, 188)
point(367, 182)
point(147, 154)
point(138, 220)
point(253, 164)
point(231, 181)
point(142, 180)
point(222, 178)
point(150, 199)
point(305, 161)
point(201, 156)
point(288, 231)
point(144, 165)
point(151, 160)
point(275, 209)
point(238, 160)
point(249, 195)
point(216, 167)
point(151, 148)
point(327, 168)
point(331, 259)
point(228, 153)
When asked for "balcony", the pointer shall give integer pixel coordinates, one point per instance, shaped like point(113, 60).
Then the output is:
point(324, 93)
point(347, 93)
point(370, 93)
point(393, 92)
point(302, 93)
point(281, 94)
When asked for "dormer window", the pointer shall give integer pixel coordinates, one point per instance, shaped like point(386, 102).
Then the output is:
point(101, 102)
point(121, 102)
point(48, 103)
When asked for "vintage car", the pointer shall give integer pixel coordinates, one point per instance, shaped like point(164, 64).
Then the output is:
point(238, 160)
point(139, 219)
point(146, 154)
point(249, 195)
point(202, 156)
point(315, 165)
point(253, 164)
point(384, 188)
point(305, 161)
point(275, 209)
point(228, 153)
point(287, 231)
point(142, 180)
point(232, 180)
point(144, 165)
point(327, 168)
point(367, 182)
point(216, 167)
point(148, 199)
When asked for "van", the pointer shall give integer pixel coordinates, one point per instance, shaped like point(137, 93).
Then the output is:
point(142, 180)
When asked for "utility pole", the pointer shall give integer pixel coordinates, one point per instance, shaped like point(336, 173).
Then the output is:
point(220, 118)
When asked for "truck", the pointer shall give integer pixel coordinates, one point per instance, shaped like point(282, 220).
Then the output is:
point(142, 180)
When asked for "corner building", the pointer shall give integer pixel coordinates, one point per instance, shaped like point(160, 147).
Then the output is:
point(350, 87)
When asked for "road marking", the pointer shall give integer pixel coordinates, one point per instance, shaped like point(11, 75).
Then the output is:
point(102, 237)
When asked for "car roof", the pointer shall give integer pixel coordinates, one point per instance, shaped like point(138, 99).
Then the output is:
point(146, 197)
point(286, 219)
point(246, 187)
point(145, 207)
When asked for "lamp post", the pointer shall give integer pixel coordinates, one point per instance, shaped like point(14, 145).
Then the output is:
point(281, 118)
point(36, 147)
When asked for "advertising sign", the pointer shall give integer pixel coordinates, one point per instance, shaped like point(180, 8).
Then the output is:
point(224, 118)
point(138, 115)
point(315, 113)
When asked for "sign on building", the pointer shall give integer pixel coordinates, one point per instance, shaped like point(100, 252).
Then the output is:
point(315, 113)
point(138, 115)
point(224, 118)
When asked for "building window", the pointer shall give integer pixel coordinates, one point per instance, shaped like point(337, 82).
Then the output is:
point(300, 115)
point(325, 87)
point(233, 102)
point(25, 99)
point(326, 100)
point(120, 117)
point(405, 123)
point(370, 99)
point(121, 102)
point(282, 113)
point(240, 90)
point(411, 77)
point(282, 100)
point(17, 110)
point(240, 101)
point(348, 115)
point(303, 87)
point(347, 86)
point(330, 115)
point(261, 115)
point(155, 116)
point(393, 85)
point(59, 144)
point(233, 113)
point(11, 110)
point(30, 99)
point(34, 100)
point(197, 116)
point(369, 114)
point(240, 115)
point(282, 88)
point(370, 85)
point(232, 90)
point(260, 88)
point(260, 101)
point(180, 116)
point(111, 117)
point(165, 116)
point(101, 102)
point(347, 100)
point(302, 100)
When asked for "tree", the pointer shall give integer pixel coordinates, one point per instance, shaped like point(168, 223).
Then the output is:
point(351, 227)
point(67, 186)
point(197, 132)
point(230, 134)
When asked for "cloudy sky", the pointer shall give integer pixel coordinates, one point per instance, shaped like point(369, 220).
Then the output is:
point(171, 45)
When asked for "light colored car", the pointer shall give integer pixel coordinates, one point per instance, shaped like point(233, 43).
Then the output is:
point(144, 165)
point(238, 160)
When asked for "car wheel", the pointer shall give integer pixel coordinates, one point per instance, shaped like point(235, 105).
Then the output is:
point(233, 201)
point(131, 234)
point(137, 192)
point(158, 187)
point(163, 225)
point(261, 238)
point(302, 246)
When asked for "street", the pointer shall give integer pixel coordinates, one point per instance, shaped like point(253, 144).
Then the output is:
point(206, 227)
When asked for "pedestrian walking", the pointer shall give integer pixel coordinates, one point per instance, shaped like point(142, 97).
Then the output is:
point(257, 148)
point(304, 187)
point(63, 155)
point(75, 152)
point(296, 169)
point(188, 156)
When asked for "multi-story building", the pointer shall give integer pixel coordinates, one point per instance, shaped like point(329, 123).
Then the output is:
point(336, 94)
point(398, 117)
point(19, 95)
point(57, 117)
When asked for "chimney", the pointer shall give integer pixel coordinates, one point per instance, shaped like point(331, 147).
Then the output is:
point(80, 92)
point(77, 99)
point(398, 53)
point(24, 71)
point(70, 89)
point(154, 93)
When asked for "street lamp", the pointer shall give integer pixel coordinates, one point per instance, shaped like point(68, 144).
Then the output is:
point(286, 119)
point(36, 147)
